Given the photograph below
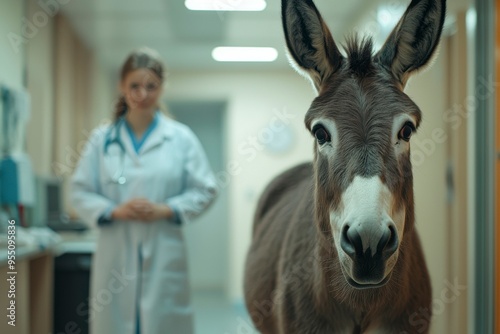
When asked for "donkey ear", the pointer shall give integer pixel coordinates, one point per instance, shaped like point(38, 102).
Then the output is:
point(415, 38)
point(309, 40)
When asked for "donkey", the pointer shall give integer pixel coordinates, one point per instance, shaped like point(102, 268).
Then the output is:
point(334, 246)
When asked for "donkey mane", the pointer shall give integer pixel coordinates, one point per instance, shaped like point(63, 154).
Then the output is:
point(360, 52)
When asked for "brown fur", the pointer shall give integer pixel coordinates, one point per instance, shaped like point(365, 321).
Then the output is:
point(293, 279)
point(289, 278)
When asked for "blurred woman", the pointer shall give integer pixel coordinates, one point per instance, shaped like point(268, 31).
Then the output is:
point(140, 180)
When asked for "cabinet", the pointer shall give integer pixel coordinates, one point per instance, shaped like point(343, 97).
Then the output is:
point(33, 292)
point(71, 294)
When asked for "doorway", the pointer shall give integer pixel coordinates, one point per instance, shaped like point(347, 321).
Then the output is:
point(207, 237)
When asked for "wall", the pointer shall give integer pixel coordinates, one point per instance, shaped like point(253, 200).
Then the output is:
point(69, 123)
point(429, 158)
point(83, 98)
point(103, 93)
point(460, 155)
point(11, 54)
point(40, 84)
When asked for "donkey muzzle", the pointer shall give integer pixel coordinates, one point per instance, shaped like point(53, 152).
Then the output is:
point(369, 249)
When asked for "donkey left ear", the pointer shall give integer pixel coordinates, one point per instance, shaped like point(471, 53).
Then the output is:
point(415, 39)
point(309, 41)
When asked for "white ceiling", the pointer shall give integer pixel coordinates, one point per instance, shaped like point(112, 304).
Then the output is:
point(112, 28)
point(185, 39)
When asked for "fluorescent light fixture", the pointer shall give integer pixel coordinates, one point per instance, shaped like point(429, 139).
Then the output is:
point(226, 5)
point(388, 17)
point(244, 54)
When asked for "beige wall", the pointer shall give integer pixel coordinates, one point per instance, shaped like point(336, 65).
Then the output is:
point(429, 157)
point(103, 92)
point(11, 53)
point(440, 150)
point(82, 98)
point(40, 84)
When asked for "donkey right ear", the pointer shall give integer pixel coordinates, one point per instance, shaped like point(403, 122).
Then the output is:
point(414, 40)
point(309, 40)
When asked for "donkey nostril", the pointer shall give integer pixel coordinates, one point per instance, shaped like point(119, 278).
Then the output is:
point(345, 242)
point(392, 243)
point(351, 241)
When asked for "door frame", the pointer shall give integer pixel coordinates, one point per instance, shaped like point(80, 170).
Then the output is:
point(497, 170)
point(484, 245)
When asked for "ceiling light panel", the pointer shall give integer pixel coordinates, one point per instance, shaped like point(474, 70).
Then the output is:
point(226, 5)
point(244, 54)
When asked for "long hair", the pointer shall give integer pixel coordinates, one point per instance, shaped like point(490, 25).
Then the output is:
point(141, 58)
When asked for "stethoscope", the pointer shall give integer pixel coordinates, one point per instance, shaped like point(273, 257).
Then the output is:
point(118, 177)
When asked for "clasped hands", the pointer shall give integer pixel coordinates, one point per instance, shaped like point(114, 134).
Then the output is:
point(141, 209)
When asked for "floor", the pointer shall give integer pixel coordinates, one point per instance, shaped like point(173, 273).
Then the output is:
point(214, 314)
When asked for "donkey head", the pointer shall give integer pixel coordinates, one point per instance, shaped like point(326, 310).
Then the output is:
point(362, 122)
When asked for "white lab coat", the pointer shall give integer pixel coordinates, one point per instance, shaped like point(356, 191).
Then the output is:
point(139, 270)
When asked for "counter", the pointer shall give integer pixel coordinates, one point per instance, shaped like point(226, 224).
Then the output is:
point(31, 284)
point(76, 242)
point(26, 291)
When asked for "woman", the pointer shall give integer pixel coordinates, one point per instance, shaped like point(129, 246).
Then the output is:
point(140, 179)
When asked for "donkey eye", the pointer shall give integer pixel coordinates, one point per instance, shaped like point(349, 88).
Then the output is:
point(406, 131)
point(322, 136)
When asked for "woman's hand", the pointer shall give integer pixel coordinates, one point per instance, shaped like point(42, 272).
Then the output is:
point(143, 210)
point(126, 211)
point(148, 211)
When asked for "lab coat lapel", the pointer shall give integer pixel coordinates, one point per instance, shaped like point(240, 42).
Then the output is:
point(161, 133)
point(127, 143)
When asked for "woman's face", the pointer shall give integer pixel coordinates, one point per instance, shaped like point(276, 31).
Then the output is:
point(141, 88)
